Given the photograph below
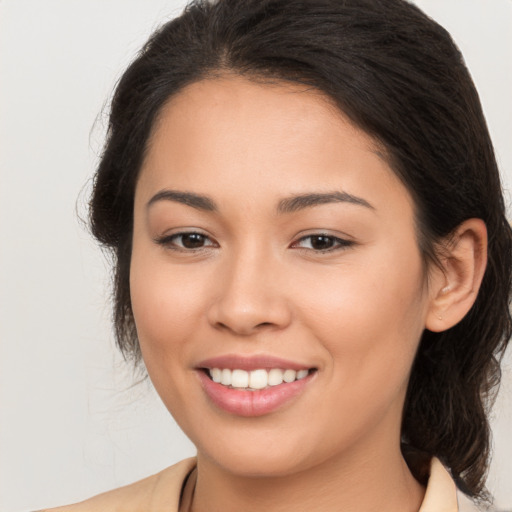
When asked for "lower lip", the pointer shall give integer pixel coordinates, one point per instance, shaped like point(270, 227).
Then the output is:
point(252, 403)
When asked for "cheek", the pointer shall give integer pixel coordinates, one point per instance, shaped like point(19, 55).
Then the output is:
point(165, 306)
point(370, 319)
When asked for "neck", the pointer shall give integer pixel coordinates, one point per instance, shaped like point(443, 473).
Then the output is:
point(364, 484)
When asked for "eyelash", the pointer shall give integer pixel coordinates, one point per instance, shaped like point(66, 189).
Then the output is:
point(168, 241)
point(339, 243)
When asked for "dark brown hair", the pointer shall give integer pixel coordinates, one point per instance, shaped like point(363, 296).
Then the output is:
point(397, 75)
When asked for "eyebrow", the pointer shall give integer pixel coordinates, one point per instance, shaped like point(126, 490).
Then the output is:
point(287, 205)
point(295, 203)
point(197, 201)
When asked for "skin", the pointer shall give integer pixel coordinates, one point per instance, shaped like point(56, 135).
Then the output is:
point(257, 286)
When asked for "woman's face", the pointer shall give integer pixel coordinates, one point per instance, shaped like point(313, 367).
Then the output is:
point(270, 235)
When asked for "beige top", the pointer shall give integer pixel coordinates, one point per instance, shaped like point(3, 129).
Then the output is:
point(162, 493)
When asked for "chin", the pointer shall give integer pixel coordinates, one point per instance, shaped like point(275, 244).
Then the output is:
point(258, 465)
point(260, 453)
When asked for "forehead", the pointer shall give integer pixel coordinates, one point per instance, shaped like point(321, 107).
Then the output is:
point(233, 136)
point(282, 106)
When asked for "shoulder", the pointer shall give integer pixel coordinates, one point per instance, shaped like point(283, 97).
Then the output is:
point(160, 492)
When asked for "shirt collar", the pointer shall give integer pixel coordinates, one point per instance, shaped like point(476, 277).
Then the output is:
point(441, 493)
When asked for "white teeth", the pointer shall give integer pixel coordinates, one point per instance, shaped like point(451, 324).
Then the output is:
point(226, 377)
point(216, 374)
point(239, 379)
point(289, 375)
point(275, 377)
point(256, 379)
point(301, 374)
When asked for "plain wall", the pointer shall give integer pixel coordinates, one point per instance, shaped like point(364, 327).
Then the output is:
point(73, 423)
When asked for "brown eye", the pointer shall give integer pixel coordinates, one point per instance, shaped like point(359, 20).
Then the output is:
point(186, 241)
point(322, 243)
point(192, 240)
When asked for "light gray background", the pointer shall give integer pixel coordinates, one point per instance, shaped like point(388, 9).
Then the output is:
point(72, 423)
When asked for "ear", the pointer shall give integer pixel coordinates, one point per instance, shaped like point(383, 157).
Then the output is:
point(454, 288)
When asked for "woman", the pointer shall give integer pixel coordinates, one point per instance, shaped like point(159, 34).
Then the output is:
point(311, 256)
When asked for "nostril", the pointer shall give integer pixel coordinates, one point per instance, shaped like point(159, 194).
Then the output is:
point(264, 324)
point(244, 328)
point(246, 312)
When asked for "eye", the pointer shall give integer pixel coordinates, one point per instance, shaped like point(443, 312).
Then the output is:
point(322, 243)
point(186, 241)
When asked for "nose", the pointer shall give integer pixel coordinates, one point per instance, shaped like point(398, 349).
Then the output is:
point(251, 297)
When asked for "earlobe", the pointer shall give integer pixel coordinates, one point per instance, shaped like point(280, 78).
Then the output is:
point(455, 287)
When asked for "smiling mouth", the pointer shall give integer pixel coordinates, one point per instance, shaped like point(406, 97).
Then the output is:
point(253, 386)
point(257, 379)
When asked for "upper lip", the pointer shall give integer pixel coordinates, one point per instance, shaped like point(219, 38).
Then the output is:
point(248, 363)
